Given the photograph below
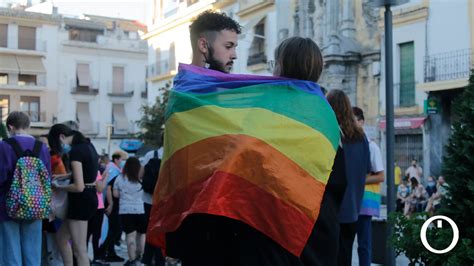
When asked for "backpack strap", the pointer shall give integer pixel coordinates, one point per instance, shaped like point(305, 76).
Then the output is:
point(156, 154)
point(37, 148)
point(16, 147)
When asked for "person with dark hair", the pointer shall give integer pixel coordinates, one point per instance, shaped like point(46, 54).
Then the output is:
point(300, 58)
point(371, 199)
point(214, 41)
point(128, 190)
point(20, 240)
point(82, 198)
point(357, 165)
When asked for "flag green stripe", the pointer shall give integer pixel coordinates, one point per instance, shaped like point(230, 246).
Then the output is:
point(306, 108)
point(302, 144)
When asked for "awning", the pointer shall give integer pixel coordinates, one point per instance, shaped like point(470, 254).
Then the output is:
point(404, 123)
point(84, 117)
point(8, 64)
point(83, 75)
point(120, 118)
point(131, 145)
point(30, 65)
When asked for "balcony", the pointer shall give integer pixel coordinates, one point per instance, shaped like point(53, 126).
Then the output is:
point(124, 94)
point(84, 90)
point(257, 58)
point(91, 128)
point(25, 82)
point(123, 128)
point(453, 65)
point(40, 49)
point(404, 94)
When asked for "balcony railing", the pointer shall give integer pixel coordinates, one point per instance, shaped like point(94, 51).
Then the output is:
point(36, 117)
point(123, 131)
point(124, 94)
point(448, 66)
point(93, 89)
point(257, 58)
point(84, 90)
point(89, 129)
point(404, 94)
point(127, 92)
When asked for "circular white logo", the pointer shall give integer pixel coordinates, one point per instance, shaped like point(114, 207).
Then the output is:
point(439, 225)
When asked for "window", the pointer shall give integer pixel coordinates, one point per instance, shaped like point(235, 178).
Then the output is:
point(407, 74)
point(31, 106)
point(408, 147)
point(83, 76)
point(84, 35)
point(27, 80)
point(4, 107)
point(3, 35)
point(119, 119)
point(257, 48)
point(118, 78)
point(3, 79)
point(83, 117)
point(26, 38)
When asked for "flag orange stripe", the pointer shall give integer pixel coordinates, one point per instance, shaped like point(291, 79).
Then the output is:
point(234, 197)
point(249, 158)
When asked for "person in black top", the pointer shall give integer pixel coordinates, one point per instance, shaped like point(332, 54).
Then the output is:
point(82, 198)
point(211, 240)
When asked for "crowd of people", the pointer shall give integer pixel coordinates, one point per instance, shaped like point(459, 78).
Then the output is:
point(413, 197)
point(88, 189)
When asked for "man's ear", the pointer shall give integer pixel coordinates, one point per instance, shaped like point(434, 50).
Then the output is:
point(202, 45)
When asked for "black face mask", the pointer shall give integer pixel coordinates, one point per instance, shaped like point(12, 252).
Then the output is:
point(212, 62)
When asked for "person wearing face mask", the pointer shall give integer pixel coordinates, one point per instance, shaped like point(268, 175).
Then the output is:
point(82, 198)
point(20, 241)
point(431, 186)
point(214, 41)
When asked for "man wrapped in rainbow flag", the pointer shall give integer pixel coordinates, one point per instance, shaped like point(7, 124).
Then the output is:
point(251, 170)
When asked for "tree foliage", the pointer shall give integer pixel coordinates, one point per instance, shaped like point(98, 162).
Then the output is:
point(153, 119)
point(458, 204)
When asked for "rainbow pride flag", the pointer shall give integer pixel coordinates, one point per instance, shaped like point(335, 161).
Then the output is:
point(252, 148)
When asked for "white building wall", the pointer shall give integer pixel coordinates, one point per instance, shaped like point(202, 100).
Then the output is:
point(101, 61)
point(448, 25)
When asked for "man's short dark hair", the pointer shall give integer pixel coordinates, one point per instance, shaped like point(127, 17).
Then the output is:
point(18, 120)
point(210, 22)
point(358, 113)
point(116, 156)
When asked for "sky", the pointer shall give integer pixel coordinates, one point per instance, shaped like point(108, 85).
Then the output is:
point(128, 9)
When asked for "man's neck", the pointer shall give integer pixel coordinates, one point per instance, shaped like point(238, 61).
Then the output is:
point(197, 61)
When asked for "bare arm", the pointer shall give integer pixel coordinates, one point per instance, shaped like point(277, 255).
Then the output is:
point(77, 175)
point(376, 178)
point(116, 193)
point(100, 184)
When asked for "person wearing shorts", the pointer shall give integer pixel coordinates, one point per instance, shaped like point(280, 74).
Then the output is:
point(128, 190)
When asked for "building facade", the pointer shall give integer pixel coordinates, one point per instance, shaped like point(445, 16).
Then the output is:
point(28, 66)
point(432, 51)
point(90, 70)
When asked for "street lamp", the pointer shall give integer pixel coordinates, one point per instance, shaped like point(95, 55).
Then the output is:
point(390, 134)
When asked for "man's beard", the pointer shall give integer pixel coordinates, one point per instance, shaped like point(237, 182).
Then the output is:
point(215, 64)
